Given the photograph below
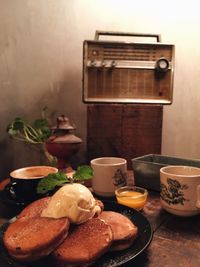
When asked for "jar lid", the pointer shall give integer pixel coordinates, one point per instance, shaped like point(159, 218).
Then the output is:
point(63, 123)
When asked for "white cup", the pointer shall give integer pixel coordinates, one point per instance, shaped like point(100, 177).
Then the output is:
point(109, 174)
point(180, 190)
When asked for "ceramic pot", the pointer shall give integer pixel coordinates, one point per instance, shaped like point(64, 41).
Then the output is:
point(63, 152)
point(63, 143)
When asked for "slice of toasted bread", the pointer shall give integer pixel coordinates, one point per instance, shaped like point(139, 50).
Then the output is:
point(124, 231)
point(35, 208)
point(31, 237)
point(100, 204)
point(85, 243)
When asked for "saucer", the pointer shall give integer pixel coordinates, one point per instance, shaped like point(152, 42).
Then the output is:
point(6, 198)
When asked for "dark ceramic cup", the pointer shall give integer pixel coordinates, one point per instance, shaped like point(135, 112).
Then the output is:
point(24, 181)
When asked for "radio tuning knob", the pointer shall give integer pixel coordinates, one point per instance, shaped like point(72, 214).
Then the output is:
point(162, 64)
point(103, 63)
point(113, 64)
point(92, 63)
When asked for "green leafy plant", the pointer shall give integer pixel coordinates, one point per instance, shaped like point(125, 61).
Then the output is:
point(53, 180)
point(35, 133)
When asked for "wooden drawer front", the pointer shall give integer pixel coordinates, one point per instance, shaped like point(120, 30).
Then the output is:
point(123, 130)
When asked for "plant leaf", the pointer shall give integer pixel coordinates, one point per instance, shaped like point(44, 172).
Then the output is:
point(53, 180)
point(17, 124)
point(84, 172)
point(40, 123)
point(42, 126)
point(49, 182)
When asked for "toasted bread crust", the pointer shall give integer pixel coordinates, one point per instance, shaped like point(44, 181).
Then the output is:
point(85, 243)
point(31, 237)
point(35, 208)
point(124, 231)
point(121, 245)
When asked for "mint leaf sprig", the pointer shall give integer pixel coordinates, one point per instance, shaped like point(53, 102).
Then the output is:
point(84, 172)
point(53, 180)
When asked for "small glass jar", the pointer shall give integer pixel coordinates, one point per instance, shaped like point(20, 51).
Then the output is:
point(132, 196)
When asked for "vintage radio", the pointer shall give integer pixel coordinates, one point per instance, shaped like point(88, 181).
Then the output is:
point(127, 72)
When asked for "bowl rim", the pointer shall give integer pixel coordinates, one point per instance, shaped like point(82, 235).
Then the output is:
point(133, 187)
point(169, 170)
point(16, 173)
point(111, 161)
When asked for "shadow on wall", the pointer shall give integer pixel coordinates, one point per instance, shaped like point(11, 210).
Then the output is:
point(16, 154)
point(7, 150)
point(6, 159)
point(63, 97)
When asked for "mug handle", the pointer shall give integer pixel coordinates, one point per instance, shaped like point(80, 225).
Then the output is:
point(198, 197)
point(11, 189)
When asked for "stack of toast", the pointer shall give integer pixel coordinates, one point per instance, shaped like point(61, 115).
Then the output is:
point(32, 237)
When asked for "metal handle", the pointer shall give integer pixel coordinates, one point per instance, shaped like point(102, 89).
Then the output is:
point(98, 33)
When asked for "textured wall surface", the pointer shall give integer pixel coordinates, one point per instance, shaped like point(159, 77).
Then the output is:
point(41, 64)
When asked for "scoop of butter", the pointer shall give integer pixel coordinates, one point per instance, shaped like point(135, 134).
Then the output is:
point(74, 201)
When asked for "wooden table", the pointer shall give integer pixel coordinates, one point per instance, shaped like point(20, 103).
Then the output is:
point(176, 240)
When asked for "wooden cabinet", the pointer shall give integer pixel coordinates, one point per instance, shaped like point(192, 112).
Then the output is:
point(123, 130)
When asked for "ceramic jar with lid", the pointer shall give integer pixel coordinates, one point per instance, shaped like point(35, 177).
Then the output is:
point(63, 143)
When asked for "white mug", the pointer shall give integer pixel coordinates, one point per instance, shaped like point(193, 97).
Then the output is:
point(180, 190)
point(109, 174)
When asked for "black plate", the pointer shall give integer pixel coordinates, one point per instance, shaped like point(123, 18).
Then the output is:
point(111, 259)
